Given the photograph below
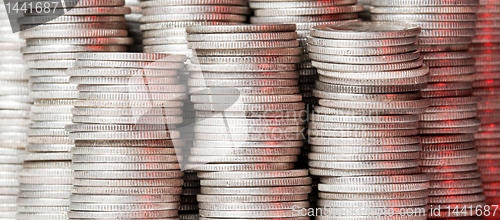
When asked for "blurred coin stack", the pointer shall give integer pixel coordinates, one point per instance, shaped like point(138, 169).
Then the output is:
point(52, 44)
point(305, 14)
point(15, 104)
point(124, 161)
point(249, 117)
point(165, 21)
point(133, 25)
point(363, 134)
point(447, 126)
point(486, 50)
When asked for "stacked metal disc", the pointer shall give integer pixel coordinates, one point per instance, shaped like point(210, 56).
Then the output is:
point(363, 134)
point(249, 119)
point(52, 44)
point(14, 113)
point(165, 21)
point(305, 14)
point(486, 50)
point(133, 25)
point(124, 161)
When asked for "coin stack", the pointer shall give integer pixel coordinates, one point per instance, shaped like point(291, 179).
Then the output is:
point(449, 123)
point(243, 82)
point(52, 44)
point(124, 161)
point(133, 25)
point(486, 50)
point(249, 119)
point(305, 14)
point(14, 113)
point(363, 134)
point(165, 21)
point(277, 194)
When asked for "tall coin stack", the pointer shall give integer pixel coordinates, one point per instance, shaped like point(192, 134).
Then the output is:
point(52, 44)
point(486, 50)
point(165, 21)
point(15, 104)
point(363, 134)
point(249, 120)
point(304, 14)
point(133, 25)
point(124, 161)
point(449, 123)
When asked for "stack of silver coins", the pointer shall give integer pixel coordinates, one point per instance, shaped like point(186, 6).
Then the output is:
point(446, 25)
point(448, 125)
point(486, 51)
point(133, 24)
point(165, 21)
point(52, 44)
point(249, 119)
point(305, 14)
point(363, 134)
point(277, 194)
point(124, 161)
point(243, 83)
point(14, 113)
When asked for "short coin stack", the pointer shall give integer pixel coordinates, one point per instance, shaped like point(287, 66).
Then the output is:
point(165, 21)
point(14, 113)
point(124, 161)
point(254, 194)
point(363, 134)
point(486, 50)
point(305, 14)
point(249, 117)
point(133, 24)
point(52, 44)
